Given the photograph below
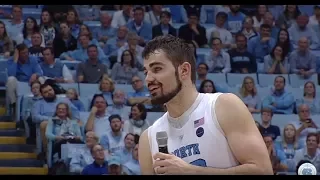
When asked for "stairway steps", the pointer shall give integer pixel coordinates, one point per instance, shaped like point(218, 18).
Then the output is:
point(24, 170)
point(17, 155)
point(12, 140)
point(21, 163)
point(11, 132)
point(17, 148)
point(7, 125)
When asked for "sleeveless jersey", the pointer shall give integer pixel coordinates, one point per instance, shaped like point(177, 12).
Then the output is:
point(200, 141)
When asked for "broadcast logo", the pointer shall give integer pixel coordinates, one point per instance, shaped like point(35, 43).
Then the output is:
point(307, 169)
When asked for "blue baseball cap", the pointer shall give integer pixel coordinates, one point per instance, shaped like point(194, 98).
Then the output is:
point(114, 160)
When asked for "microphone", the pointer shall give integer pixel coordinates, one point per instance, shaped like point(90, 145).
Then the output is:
point(162, 140)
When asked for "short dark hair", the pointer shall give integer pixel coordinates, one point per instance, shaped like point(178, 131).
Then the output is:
point(207, 67)
point(176, 49)
point(43, 86)
point(165, 13)
point(313, 134)
point(240, 35)
point(21, 47)
point(216, 38)
point(114, 116)
point(92, 45)
point(48, 48)
point(284, 79)
point(265, 26)
point(94, 98)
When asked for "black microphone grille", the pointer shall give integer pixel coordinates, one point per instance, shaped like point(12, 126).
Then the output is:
point(162, 138)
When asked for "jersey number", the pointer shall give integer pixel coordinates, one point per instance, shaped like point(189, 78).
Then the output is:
point(199, 162)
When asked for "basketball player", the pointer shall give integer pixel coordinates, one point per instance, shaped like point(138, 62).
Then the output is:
point(207, 133)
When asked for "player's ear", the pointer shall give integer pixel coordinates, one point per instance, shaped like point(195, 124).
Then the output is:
point(185, 69)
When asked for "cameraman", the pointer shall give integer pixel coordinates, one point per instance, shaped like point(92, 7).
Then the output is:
point(61, 129)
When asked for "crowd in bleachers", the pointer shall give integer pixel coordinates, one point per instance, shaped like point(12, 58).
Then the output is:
point(75, 76)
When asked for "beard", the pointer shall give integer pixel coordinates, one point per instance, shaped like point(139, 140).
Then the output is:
point(164, 98)
point(50, 98)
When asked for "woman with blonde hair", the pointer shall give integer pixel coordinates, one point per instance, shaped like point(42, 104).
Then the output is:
point(106, 87)
point(249, 95)
point(61, 129)
point(289, 144)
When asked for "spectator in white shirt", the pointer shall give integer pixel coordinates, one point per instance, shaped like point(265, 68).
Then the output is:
point(53, 69)
point(218, 61)
point(314, 19)
point(133, 47)
point(219, 31)
point(258, 18)
point(121, 18)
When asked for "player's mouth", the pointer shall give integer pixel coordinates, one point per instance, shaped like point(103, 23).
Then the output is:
point(152, 89)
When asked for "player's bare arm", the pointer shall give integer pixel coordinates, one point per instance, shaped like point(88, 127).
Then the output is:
point(243, 138)
point(145, 157)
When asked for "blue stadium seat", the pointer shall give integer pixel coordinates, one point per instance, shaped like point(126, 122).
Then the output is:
point(263, 92)
point(218, 78)
point(67, 86)
point(297, 81)
point(84, 118)
point(297, 93)
point(124, 87)
point(92, 24)
point(235, 79)
point(210, 16)
point(203, 52)
point(86, 90)
point(31, 12)
point(260, 67)
point(234, 90)
point(266, 80)
point(68, 150)
point(280, 120)
point(109, 12)
point(85, 102)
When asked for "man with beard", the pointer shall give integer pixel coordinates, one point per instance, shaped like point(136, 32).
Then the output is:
point(113, 141)
point(235, 19)
point(196, 124)
point(44, 109)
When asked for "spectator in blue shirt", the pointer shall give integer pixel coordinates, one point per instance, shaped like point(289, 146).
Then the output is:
point(310, 98)
point(82, 53)
point(141, 94)
point(141, 27)
point(82, 157)
point(105, 32)
point(99, 165)
point(132, 166)
point(235, 19)
point(15, 26)
point(249, 95)
point(113, 44)
point(85, 30)
point(277, 156)
point(280, 101)
point(301, 29)
point(21, 67)
point(44, 109)
point(73, 22)
point(269, 19)
point(126, 153)
point(73, 96)
point(262, 44)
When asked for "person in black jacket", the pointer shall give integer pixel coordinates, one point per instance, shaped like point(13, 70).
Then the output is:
point(164, 27)
point(241, 60)
point(64, 41)
point(192, 31)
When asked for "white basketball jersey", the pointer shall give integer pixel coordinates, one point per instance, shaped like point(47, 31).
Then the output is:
point(200, 141)
point(116, 144)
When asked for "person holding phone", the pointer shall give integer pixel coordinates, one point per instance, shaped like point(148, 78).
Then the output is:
point(21, 67)
point(306, 124)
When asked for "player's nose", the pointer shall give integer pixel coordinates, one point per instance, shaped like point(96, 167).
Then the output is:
point(149, 78)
